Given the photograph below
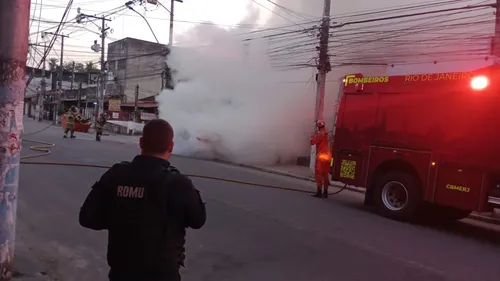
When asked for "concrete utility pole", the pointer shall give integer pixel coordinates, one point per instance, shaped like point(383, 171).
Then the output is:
point(171, 12)
point(171, 30)
point(43, 84)
point(79, 100)
point(14, 34)
point(136, 107)
point(100, 100)
point(61, 72)
point(495, 44)
point(72, 75)
point(324, 65)
point(246, 51)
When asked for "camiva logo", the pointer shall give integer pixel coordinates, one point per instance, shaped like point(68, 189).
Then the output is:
point(351, 79)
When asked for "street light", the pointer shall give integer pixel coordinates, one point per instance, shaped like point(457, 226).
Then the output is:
point(171, 12)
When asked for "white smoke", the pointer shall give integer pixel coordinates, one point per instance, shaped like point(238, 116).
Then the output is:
point(236, 108)
point(231, 104)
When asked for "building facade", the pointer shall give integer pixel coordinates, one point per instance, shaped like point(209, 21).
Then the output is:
point(78, 89)
point(133, 62)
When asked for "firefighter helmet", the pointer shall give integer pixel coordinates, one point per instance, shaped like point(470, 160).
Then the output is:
point(73, 108)
point(320, 123)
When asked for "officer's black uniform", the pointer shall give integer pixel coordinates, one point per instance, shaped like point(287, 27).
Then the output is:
point(146, 205)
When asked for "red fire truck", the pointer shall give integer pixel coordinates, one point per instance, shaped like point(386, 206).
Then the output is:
point(426, 144)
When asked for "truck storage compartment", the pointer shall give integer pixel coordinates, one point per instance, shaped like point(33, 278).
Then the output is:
point(458, 187)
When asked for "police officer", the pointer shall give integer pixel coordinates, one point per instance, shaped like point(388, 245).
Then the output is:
point(146, 206)
point(100, 122)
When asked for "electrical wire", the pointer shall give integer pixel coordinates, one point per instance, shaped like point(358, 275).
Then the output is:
point(290, 12)
point(128, 5)
point(293, 48)
point(65, 14)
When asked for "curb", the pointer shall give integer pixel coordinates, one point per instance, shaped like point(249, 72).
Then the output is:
point(474, 216)
point(479, 217)
point(290, 175)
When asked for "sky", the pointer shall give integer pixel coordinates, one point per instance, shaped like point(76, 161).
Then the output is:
point(127, 23)
point(227, 14)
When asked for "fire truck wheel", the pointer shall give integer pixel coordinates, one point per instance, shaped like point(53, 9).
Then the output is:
point(397, 195)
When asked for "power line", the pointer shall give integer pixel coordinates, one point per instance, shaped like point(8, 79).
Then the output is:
point(51, 44)
point(376, 39)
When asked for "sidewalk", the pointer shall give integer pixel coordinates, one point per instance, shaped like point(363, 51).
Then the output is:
point(304, 173)
point(33, 127)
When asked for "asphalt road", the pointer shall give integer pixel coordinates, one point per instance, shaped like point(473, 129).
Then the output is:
point(252, 233)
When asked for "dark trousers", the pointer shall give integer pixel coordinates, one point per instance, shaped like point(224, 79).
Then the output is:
point(69, 130)
point(98, 134)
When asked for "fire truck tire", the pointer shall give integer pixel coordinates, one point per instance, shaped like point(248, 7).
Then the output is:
point(397, 195)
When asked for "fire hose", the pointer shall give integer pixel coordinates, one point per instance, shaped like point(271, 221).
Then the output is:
point(44, 149)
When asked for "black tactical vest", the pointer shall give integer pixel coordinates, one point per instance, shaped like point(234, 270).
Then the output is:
point(143, 239)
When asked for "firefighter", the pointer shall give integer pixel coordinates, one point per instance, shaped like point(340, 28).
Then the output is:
point(99, 124)
point(70, 122)
point(146, 206)
point(322, 163)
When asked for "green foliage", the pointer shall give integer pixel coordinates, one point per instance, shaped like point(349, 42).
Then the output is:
point(91, 66)
point(53, 63)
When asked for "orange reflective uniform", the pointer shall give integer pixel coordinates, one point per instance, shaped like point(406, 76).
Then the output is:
point(322, 163)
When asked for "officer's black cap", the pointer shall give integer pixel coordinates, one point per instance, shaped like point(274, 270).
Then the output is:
point(157, 137)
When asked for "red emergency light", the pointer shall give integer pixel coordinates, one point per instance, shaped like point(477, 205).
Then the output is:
point(479, 83)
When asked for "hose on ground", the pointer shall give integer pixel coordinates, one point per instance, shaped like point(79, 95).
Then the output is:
point(44, 148)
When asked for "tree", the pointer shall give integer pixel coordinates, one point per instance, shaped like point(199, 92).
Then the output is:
point(68, 66)
point(53, 64)
point(79, 67)
point(90, 66)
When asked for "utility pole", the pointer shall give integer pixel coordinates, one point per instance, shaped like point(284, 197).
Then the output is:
point(171, 12)
point(324, 65)
point(136, 107)
point(14, 34)
point(72, 75)
point(61, 72)
point(43, 84)
point(79, 99)
point(171, 29)
point(495, 42)
point(100, 100)
point(246, 51)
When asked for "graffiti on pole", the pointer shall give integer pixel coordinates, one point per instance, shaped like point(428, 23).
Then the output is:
point(12, 87)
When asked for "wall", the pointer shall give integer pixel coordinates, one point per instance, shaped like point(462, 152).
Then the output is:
point(136, 62)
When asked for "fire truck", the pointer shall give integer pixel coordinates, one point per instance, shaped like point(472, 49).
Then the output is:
point(421, 145)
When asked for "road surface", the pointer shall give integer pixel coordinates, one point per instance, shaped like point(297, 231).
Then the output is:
point(251, 234)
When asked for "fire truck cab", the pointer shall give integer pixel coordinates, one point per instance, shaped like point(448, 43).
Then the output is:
point(426, 144)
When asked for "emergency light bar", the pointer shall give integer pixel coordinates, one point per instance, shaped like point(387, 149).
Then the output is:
point(479, 83)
